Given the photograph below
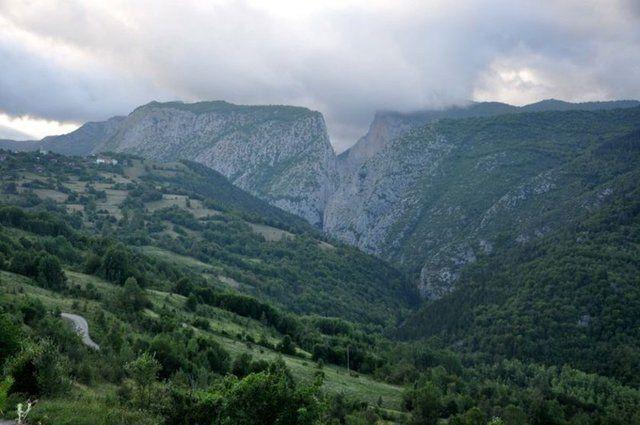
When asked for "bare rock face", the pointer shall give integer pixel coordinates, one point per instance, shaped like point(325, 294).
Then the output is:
point(385, 127)
point(281, 154)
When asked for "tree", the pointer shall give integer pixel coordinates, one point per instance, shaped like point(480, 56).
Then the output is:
point(426, 405)
point(116, 265)
point(133, 298)
point(286, 346)
point(11, 188)
point(269, 397)
point(24, 263)
point(217, 357)
point(144, 373)
point(242, 365)
point(9, 338)
point(50, 274)
point(92, 264)
point(38, 370)
point(169, 353)
point(192, 302)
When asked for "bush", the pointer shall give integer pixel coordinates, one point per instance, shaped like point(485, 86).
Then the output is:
point(286, 346)
point(38, 369)
point(133, 298)
point(32, 310)
point(9, 338)
point(143, 390)
point(5, 386)
point(242, 365)
point(269, 397)
point(217, 357)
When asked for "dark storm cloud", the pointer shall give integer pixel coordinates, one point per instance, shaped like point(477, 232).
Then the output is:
point(89, 60)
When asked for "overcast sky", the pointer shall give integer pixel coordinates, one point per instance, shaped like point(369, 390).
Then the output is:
point(66, 62)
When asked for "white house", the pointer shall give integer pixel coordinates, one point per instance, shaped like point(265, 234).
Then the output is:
point(103, 160)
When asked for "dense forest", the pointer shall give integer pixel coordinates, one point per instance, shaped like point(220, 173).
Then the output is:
point(570, 297)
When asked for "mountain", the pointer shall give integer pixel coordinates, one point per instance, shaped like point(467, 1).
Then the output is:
point(212, 305)
point(559, 105)
point(7, 133)
point(381, 194)
point(170, 268)
point(444, 194)
point(86, 140)
point(389, 125)
point(569, 297)
point(281, 154)
point(19, 145)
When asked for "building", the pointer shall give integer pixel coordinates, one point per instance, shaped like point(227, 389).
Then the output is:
point(104, 160)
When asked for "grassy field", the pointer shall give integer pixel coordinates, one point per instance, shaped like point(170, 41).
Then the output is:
point(269, 233)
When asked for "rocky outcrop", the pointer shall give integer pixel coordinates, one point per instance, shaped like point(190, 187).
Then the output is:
point(281, 154)
point(442, 195)
point(390, 125)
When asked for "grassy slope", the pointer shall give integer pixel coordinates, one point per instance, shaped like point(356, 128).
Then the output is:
point(225, 327)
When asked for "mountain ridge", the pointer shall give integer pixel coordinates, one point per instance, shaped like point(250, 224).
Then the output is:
point(295, 171)
point(444, 192)
point(366, 196)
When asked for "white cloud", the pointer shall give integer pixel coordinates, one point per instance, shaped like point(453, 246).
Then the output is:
point(78, 60)
point(29, 128)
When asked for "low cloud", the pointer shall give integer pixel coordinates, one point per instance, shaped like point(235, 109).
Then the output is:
point(88, 60)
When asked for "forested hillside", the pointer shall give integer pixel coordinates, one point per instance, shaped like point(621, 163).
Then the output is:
point(279, 153)
point(570, 297)
point(450, 192)
point(190, 210)
point(210, 306)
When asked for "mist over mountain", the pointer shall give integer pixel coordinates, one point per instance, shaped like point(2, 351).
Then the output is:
point(320, 212)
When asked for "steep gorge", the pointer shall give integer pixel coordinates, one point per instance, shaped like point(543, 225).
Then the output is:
point(430, 191)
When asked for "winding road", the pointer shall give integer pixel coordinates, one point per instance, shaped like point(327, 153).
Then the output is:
point(82, 328)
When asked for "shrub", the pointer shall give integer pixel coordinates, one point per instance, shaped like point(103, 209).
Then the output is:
point(269, 397)
point(9, 338)
point(38, 369)
point(286, 346)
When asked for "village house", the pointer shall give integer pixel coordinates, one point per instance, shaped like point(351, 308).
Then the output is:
point(105, 160)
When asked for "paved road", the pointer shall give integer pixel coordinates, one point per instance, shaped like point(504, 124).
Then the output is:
point(82, 328)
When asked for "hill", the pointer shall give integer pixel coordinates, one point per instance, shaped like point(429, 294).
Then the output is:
point(188, 209)
point(447, 193)
point(389, 125)
point(569, 297)
point(281, 154)
point(209, 305)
